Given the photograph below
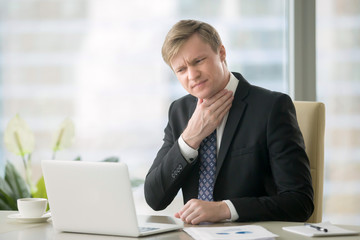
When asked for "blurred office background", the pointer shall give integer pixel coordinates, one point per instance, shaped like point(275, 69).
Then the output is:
point(99, 63)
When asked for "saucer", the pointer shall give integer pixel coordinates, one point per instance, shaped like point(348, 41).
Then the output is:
point(22, 219)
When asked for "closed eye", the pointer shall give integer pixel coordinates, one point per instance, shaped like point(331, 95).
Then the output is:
point(199, 60)
point(179, 70)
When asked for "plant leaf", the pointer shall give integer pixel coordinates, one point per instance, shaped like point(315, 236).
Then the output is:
point(111, 159)
point(64, 136)
point(18, 137)
point(5, 206)
point(5, 188)
point(7, 200)
point(16, 182)
point(41, 190)
point(135, 182)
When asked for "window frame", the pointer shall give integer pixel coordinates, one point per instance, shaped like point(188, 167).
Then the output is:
point(302, 50)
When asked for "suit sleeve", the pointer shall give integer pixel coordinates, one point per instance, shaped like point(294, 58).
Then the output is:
point(168, 170)
point(290, 169)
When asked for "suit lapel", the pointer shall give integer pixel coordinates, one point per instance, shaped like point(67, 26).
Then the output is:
point(235, 114)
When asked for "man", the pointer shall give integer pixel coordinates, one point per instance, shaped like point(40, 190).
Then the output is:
point(234, 149)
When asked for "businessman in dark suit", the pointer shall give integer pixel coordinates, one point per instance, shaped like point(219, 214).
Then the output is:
point(258, 170)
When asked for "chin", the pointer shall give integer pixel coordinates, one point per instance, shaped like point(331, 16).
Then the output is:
point(202, 94)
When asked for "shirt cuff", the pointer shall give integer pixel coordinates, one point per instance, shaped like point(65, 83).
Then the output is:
point(233, 213)
point(188, 152)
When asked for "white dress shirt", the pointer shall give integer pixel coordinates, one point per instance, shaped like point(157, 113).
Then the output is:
point(190, 154)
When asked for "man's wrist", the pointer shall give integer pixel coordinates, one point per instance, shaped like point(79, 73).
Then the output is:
point(224, 210)
point(191, 141)
point(233, 213)
point(188, 152)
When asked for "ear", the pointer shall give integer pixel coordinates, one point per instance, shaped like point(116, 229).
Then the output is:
point(222, 53)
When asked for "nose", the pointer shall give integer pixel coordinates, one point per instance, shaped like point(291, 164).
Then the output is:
point(193, 73)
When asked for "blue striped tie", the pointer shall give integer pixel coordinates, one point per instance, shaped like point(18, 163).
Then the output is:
point(207, 169)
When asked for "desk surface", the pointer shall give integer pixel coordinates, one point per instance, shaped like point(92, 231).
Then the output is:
point(11, 230)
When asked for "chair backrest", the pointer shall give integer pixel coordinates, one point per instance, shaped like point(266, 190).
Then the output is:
point(311, 119)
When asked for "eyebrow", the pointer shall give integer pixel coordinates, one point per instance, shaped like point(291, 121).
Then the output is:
point(191, 62)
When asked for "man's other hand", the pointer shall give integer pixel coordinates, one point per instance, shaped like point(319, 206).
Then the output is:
point(196, 211)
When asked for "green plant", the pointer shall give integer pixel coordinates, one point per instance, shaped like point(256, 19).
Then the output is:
point(12, 187)
point(19, 139)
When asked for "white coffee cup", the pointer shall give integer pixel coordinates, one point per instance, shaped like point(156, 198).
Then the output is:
point(31, 207)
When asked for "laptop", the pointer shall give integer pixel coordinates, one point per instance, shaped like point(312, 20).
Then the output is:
point(95, 198)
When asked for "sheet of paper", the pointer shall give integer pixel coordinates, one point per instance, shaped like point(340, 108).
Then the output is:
point(312, 232)
point(246, 232)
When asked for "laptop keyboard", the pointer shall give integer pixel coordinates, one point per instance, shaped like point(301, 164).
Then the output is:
point(146, 229)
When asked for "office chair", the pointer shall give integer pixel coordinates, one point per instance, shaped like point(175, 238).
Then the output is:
point(311, 119)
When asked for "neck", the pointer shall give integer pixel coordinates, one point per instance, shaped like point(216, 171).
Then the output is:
point(224, 82)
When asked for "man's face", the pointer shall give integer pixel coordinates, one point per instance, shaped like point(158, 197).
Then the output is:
point(200, 70)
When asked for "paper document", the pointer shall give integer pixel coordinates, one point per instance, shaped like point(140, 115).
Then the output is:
point(246, 232)
point(331, 230)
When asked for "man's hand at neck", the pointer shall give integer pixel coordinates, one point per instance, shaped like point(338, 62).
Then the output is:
point(207, 117)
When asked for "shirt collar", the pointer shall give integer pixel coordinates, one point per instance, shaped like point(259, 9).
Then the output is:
point(232, 84)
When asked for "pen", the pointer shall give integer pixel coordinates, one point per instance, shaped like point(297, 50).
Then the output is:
point(316, 227)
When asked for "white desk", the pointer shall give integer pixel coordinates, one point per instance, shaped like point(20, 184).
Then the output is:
point(11, 230)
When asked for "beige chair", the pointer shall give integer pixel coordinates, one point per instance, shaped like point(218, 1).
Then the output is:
point(311, 119)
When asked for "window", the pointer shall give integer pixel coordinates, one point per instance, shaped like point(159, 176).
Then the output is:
point(99, 63)
point(338, 81)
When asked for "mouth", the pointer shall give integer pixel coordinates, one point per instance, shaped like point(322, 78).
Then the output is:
point(198, 84)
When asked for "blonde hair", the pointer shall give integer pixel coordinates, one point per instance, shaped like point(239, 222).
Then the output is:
point(182, 31)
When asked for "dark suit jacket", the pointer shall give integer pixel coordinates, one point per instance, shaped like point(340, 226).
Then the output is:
point(262, 167)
